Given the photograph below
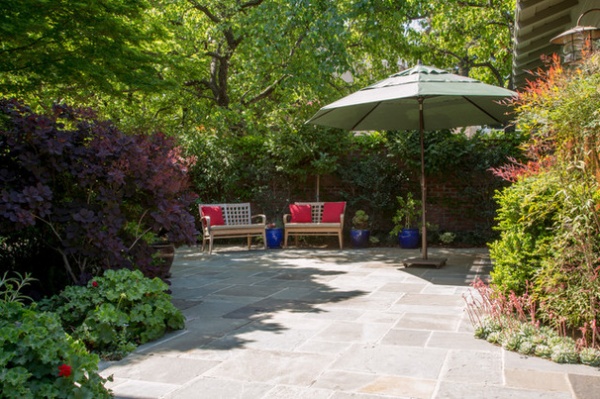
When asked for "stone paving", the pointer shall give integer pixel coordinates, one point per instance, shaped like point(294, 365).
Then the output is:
point(333, 324)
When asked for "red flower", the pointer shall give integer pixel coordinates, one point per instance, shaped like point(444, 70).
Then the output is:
point(64, 370)
point(94, 283)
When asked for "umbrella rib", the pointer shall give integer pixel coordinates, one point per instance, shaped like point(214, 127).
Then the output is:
point(481, 109)
point(320, 116)
point(365, 116)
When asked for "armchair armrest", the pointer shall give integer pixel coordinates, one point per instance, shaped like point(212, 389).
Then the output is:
point(205, 222)
point(262, 217)
point(287, 218)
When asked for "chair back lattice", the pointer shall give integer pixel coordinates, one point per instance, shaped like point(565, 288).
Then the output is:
point(316, 209)
point(236, 214)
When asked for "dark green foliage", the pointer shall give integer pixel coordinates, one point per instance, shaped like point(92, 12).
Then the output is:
point(526, 215)
point(34, 348)
point(549, 216)
point(372, 180)
point(455, 153)
point(264, 167)
point(116, 312)
point(567, 286)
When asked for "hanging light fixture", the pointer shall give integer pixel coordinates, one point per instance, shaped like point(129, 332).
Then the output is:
point(577, 40)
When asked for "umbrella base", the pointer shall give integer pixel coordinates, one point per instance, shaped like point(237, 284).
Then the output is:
point(436, 262)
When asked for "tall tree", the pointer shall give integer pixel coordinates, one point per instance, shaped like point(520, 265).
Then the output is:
point(255, 58)
point(474, 36)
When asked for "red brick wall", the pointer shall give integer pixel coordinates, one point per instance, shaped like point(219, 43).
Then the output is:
point(466, 204)
point(453, 204)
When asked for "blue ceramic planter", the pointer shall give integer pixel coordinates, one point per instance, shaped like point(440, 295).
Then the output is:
point(274, 237)
point(359, 238)
point(409, 238)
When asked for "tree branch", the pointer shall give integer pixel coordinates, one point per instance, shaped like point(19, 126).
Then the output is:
point(487, 4)
point(493, 69)
point(205, 11)
point(267, 91)
point(251, 3)
point(67, 264)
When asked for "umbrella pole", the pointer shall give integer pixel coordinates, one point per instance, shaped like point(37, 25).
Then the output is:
point(318, 184)
point(423, 182)
point(424, 259)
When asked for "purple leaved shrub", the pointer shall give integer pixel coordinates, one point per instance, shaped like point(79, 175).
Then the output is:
point(96, 196)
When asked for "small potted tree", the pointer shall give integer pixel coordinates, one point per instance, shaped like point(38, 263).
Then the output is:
point(406, 221)
point(359, 234)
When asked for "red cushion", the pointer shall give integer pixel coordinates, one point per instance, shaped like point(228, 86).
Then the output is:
point(215, 213)
point(332, 212)
point(301, 213)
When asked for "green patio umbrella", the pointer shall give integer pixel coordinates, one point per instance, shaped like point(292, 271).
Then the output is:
point(422, 97)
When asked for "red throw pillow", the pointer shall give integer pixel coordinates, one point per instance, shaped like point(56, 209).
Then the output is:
point(215, 213)
point(301, 213)
point(332, 212)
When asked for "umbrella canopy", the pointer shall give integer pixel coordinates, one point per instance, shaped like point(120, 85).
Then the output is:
point(422, 97)
point(392, 104)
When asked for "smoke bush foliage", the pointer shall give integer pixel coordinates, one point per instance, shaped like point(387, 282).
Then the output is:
point(92, 193)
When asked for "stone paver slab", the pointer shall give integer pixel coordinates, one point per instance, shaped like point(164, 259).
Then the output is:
point(537, 380)
point(460, 340)
point(377, 316)
point(248, 291)
point(585, 386)
point(401, 387)
point(354, 332)
point(403, 288)
point(273, 367)
point(431, 300)
point(427, 309)
point(514, 360)
point(338, 380)
point(455, 390)
point(321, 346)
point(132, 389)
point(392, 360)
point(417, 321)
point(160, 369)
point(400, 337)
point(289, 392)
point(473, 367)
point(211, 388)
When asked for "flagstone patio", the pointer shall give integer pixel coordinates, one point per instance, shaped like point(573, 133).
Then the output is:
point(333, 324)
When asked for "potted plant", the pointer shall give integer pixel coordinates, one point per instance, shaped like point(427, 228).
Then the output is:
point(405, 221)
point(274, 234)
point(359, 234)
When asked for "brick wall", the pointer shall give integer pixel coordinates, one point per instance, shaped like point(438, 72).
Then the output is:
point(453, 204)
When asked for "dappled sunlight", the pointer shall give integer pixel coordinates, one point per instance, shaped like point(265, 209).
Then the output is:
point(239, 299)
point(314, 317)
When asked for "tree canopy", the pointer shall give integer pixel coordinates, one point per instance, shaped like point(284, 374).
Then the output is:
point(236, 66)
point(61, 48)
